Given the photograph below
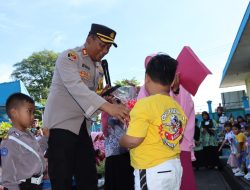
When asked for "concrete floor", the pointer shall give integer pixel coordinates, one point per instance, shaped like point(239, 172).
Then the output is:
point(210, 179)
point(206, 179)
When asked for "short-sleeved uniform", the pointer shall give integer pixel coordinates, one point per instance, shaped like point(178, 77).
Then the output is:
point(72, 93)
point(161, 121)
point(73, 98)
point(19, 163)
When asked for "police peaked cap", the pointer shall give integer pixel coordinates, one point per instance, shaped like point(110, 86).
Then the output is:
point(105, 34)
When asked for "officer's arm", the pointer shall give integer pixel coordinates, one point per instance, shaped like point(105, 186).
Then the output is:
point(138, 126)
point(88, 100)
point(9, 168)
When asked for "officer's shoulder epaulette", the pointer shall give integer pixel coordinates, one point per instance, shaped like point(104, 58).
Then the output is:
point(15, 134)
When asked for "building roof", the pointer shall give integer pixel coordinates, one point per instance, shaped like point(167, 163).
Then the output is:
point(8, 88)
point(237, 68)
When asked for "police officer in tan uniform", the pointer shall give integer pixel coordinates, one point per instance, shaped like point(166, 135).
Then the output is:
point(72, 100)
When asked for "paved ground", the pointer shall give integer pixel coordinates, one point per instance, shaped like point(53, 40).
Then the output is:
point(208, 179)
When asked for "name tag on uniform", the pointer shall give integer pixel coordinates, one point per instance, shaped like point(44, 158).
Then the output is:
point(85, 66)
point(85, 75)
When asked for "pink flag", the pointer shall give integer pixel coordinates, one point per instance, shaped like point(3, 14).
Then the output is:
point(192, 70)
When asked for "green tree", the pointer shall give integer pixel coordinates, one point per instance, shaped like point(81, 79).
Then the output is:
point(36, 73)
point(125, 82)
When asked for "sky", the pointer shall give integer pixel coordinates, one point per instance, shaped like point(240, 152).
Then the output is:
point(143, 27)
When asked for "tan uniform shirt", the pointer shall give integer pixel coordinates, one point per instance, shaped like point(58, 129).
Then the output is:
point(72, 94)
point(18, 163)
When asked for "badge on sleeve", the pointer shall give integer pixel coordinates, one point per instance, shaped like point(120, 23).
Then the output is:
point(72, 56)
point(4, 151)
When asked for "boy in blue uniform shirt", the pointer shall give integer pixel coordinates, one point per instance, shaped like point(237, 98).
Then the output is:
point(23, 160)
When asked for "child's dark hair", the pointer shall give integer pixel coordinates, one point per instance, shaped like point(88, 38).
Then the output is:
point(15, 100)
point(228, 124)
point(205, 113)
point(237, 125)
point(240, 117)
point(161, 69)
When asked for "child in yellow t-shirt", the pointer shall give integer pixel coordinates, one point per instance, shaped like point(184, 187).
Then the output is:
point(241, 150)
point(155, 130)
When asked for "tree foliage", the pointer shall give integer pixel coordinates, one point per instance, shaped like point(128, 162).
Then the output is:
point(36, 73)
point(125, 82)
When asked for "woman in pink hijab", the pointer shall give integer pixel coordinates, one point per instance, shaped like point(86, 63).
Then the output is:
point(183, 97)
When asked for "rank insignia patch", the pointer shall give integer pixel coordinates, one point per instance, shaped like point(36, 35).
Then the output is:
point(85, 75)
point(84, 52)
point(72, 56)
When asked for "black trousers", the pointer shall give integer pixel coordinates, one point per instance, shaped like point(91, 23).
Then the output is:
point(71, 155)
point(119, 173)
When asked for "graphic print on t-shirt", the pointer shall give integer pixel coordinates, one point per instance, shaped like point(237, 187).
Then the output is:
point(171, 129)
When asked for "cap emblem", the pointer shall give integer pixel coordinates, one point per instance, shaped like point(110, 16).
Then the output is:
point(112, 35)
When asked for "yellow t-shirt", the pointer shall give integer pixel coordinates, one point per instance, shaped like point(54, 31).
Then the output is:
point(241, 138)
point(161, 121)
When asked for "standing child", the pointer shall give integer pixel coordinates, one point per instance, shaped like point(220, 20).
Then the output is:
point(155, 130)
point(240, 140)
point(247, 128)
point(241, 121)
point(229, 137)
point(23, 161)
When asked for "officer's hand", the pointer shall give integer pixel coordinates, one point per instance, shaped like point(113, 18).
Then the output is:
point(119, 111)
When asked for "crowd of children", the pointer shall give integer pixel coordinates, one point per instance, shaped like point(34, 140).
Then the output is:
point(236, 135)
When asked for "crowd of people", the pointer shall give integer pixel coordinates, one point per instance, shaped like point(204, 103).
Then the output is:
point(212, 136)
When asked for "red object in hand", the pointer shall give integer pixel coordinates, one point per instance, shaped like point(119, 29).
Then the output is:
point(131, 103)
